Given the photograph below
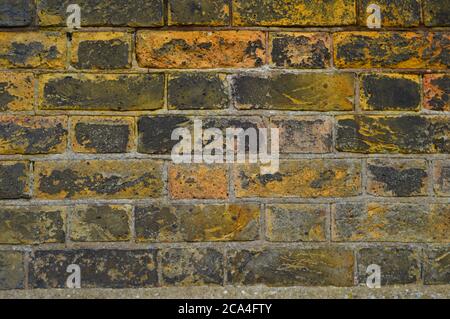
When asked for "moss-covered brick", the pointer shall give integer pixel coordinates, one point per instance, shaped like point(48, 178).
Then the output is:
point(100, 223)
point(14, 180)
point(198, 181)
point(101, 50)
point(102, 92)
point(442, 177)
point(102, 134)
point(436, 13)
point(390, 92)
point(113, 13)
point(384, 222)
point(45, 50)
point(293, 12)
point(436, 267)
point(199, 12)
point(98, 179)
point(200, 49)
point(300, 178)
point(300, 50)
point(197, 91)
point(16, 91)
point(16, 13)
point(291, 267)
point(296, 222)
point(32, 224)
point(393, 134)
point(103, 268)
point(394, 13)
point(32, 134)
point(437, 92)
point(399, 50)
point(195, 223)
point(398, 265)
point(296, 92)
point(402, 178)
point(191, 266)
point(12, 270)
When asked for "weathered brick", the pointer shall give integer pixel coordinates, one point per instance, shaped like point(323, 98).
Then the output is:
point(300, 178)
point(16, 13)
point(191, 266)
point(436, 267)
point(305, 134)
point(436, 13)
point(32, 225)
point(14, 180)
point(403, 178)
point(116, 92)
point(101, 268)
point(198, 181)
point(98, 179)
point(32, 50)
point(102, 134)
point(200, 49)
point(16, 91)
point(293, 13)
point(394, 13)
point(384, 222)
point(398, 265)
point(402, 50)
point(199, 12)
point(193, 223)
point(300, 50)
point(296, 222)
point(101, 50)
point(296, 92)
point(133, 13)
point(393, 134)
point(100, 223)
point(32, 134)
point(291, 267)
point(390, 92)
point(12, 271)
point(442, 178)
point(437, 92)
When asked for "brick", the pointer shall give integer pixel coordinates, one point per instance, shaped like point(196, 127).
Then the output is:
point(101, 50)
point(101, 268)
point(300, 50)
point(32, 225)
point(402, 178)
point(199, 12)
point(197, 91)
point(101, 223)
point(12, 272)
point(296, 222)
point(399, 266)
point(437, 92)
point(442, 178)
point(16, 13)
point(110, 179)
point(384, 222)
point(114, 13)
point(32, 50)
point(304, 134)
point(200, 49)
point(101, 92)
point(300, 178)
point(407, 134)
point(102, 134)
point(32, 134)
point(196, 223)
point(394, 13)
point(198, 181)
point(14, 180)
point(399, 50)
point(296, 92)
point(16, 91)
point(437, 266)
point(436, 13)
point(293, 13)
point(291, 267)
point(191, 266)
point(390, 92)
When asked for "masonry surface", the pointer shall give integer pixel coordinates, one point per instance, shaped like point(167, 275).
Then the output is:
point(86, 118)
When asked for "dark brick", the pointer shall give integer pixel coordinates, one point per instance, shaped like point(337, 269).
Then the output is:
point(442, 178)
point(16, 13)
point(437, 266)
point(437, 92)
point(436, 13)
point(16, 91)
point(14, 180)
point(394, 13)
point(199, 12)
point(12, 270)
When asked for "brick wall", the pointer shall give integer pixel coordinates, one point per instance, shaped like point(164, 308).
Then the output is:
point(86, 118)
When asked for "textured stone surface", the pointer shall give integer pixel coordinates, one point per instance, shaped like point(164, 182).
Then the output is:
point(442, 178)
point(12, 270)
point(437, 92)
point(16, 91)
point(16, 13)
point(394, 13)
point(199, 12)
point(14, 180)
point(436, 13)
point(437, 266)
